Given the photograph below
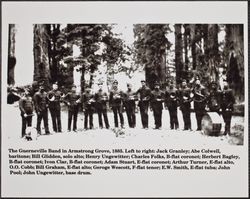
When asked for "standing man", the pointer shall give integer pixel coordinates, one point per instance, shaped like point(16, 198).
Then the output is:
point(41, 107)
point(199, 102)
point(73, 100)
point(116, 103)
point(157, 97)
point(213, 99)
point(129, 104)
point(172, 102)
point(185, 104)
point(144, 97)
point(101, 99)
point(227, 102)
point(88, 108)
point(26, 107)
point(54, 97)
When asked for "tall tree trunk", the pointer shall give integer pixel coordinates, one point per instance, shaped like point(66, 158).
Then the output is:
point(193, 45)
point(178, 53)
point(41, 57)
point(213, 52)
point(186, 33)
point(235, 59)
point(11, 54)
point(83, 79)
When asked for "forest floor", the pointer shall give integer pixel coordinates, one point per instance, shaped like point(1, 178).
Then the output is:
point(134, 136)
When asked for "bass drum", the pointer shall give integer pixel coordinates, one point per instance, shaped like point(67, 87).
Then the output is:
point(211, 124)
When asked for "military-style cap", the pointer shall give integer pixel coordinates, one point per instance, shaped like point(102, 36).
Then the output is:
point(143, 80)
point(99, 83)
point(115, 82)
point(157, 83)
point(184, 80)
point(73, 86)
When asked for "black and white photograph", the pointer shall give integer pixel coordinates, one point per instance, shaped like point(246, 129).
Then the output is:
point(95, 92)
point(162, 80)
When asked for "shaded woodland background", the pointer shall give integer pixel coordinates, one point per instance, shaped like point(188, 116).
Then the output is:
point(196, 51)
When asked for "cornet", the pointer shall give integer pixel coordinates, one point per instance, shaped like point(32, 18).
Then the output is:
point(51, 97)
point(62, 95)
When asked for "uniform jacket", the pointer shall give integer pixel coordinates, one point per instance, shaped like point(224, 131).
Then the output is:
point(40, 101)
point(200, 97)
point(116, 98)
point(129, 98)
point(56, 103)
point(227, 100)
point(171, 98)
point(88, 101)
point(157, 97)
point(101, 99)
point(185, 98)
point(213, 100)
point(144, 95)
point(26, 105)
point(71, 98)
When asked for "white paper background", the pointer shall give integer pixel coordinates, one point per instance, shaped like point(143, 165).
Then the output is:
point(145, 184)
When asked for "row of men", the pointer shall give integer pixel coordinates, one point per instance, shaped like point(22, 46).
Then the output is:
point(214, 100)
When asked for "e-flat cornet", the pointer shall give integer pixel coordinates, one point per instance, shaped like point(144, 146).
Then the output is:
point(51, 97)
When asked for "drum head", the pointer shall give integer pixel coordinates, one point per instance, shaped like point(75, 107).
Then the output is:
point(211, 124)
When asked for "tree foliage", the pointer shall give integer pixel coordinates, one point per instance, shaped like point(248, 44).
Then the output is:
point(150, 45)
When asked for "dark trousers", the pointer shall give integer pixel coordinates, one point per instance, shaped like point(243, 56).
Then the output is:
point(117, 110)
point(88, 117)
point(26, 121)
point(72, 114)
point(56, 119)
point(103, 112)
point(173, 118)
point(186, 118)
point(227, 116)
point(199, 114)
point(130, 111)
point(43, 115)
point(157, 117)
point(144, 114)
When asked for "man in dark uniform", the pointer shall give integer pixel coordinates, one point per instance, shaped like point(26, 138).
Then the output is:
point(26, 107)
point(213, 99)
point(199, 98)
point(54, 97)
point(227, 102)
point(73, 100)
point(172, 102)
point(101, 99)
point(129, 103)
point(156, 99)
point(88, 108)
point(116, 103)
point(185, 104)
point(144, 97)
point(41, 107)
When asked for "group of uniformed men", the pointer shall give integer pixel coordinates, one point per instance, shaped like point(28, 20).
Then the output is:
point(212, 99)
